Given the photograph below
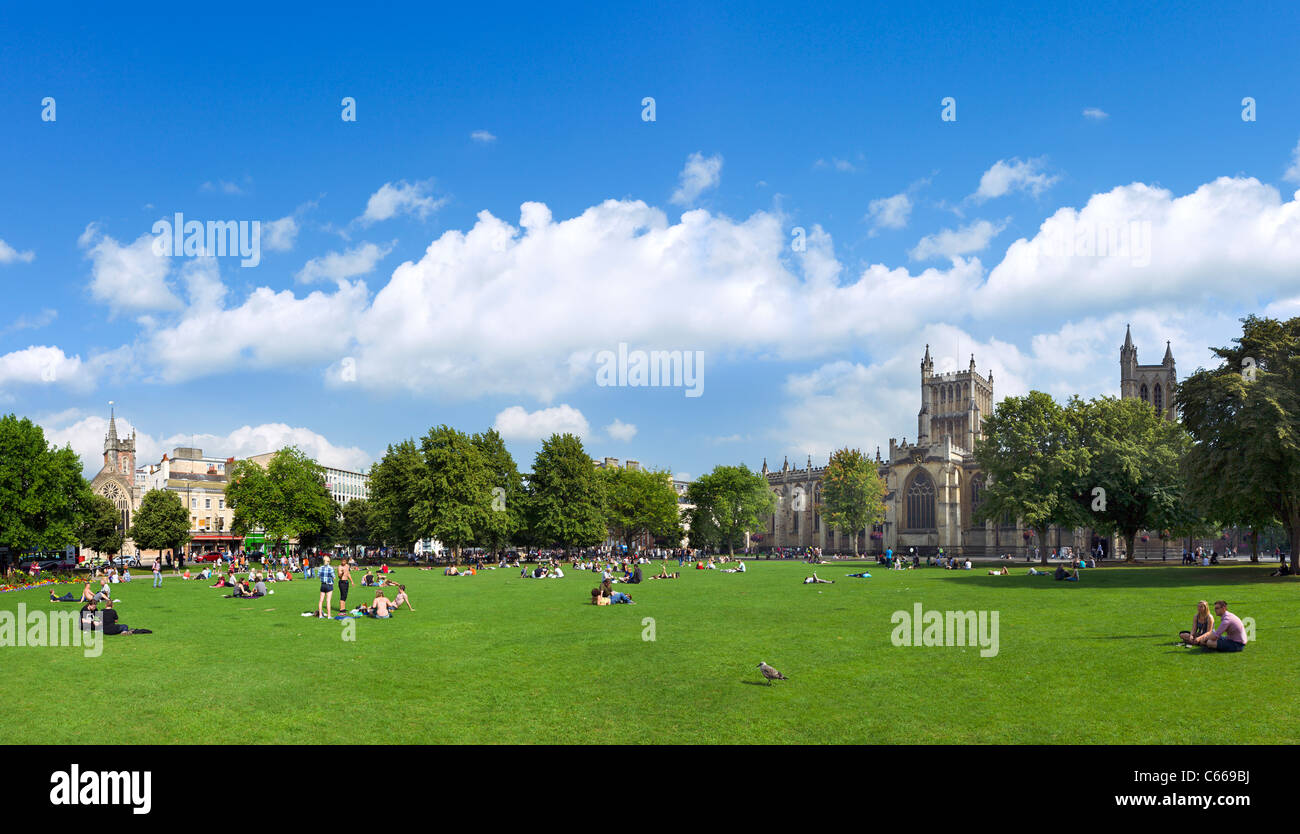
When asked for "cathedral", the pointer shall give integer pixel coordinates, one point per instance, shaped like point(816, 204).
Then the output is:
point(933, 486)
point(116, 480)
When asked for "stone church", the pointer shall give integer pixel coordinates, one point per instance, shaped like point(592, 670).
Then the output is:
point(932, 486)
point(116, 480)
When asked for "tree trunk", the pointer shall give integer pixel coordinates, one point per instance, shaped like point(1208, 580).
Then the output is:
point(1130, 539)
point(1042, 547)
point(1254, 547)
point(1292, 529)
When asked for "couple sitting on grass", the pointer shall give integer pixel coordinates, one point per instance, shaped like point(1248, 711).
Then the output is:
point(1230, 636)
point(606, 595)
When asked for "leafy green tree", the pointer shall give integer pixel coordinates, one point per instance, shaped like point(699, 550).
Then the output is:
point(162, 522)
point(454, 488)
point(1244, 419)
point(287, 500)
point(1133, 479)
point(566, 499)
point(326, 537)
point(1032, 455)
point(640, 502)
point(502, 524)
point(101, 527)
point(43, 496)
point(357, 524)
point(395, 483)
point(729, 502)
point(852, 493)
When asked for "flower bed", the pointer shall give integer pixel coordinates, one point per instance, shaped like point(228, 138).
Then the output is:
point(23, 582)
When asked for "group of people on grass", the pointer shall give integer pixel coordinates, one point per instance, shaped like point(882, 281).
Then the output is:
point(1228, 636)
point(381, 607)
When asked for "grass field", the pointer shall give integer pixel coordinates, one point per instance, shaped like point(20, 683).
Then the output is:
point(494, 658)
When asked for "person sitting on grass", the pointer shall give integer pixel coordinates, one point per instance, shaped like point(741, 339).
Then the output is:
point(1230, 636)
point(1068, 576)
point(1284, 570)
point(104, 593)
point(87, 595)
point(815, 580)
point(451, 571)
point(380, 609)
point(368, 580)
point(1202, 624)
point(106, 621)
point(402, 599)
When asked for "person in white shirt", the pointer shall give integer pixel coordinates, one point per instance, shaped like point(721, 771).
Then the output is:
point(557, 573)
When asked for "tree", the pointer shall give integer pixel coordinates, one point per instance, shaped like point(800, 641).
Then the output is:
point(101, 527)
point(43, 496)
point(327, 536)
point(162, 522)
point(852, 493)
point(357, 525)
point(499, 527)
point(287, 500)
point(1133, 479)
point(1032, 457)
point(394, 491)
point(566, 500)
point(1244, 420)
point(454, 489)
point(729, 502)
point(640, 502)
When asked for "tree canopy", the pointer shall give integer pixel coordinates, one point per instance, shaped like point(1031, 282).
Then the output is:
point(287, 500)
point(566, 498)
point(162, 522)
point(43, 495)
point(641, 502)
point(852, 493)
point(728, 502)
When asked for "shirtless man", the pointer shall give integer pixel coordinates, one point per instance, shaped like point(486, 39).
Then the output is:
point(402, 599)
point(381, 608)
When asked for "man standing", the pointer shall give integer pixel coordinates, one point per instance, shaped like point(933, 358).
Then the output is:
point(1230, 636)
point(326, 589)
point(345, 580)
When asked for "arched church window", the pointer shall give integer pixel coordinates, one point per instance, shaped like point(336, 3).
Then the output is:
point(1142, 392)
point(1159, 401)
point(920, 502)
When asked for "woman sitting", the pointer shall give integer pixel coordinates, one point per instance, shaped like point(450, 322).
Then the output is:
point(1201, 623)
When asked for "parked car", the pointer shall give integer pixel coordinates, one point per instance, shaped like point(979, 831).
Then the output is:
point(208, 557)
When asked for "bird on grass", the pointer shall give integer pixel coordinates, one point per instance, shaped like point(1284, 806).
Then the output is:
point(770, 673)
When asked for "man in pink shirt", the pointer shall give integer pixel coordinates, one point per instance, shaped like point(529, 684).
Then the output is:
point(1230, 636)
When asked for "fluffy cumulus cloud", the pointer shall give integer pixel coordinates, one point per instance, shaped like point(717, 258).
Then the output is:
point(43, 365)
point(889, 212)
point(280, 235)
point(403, 197)
point(618, 430)
point(1017, 175)
point(129, 278)
point(9, 255)
point(86, 436)
point(517, 423)
point(700, 174)
point(1292, 175)
point(950, 243)
point(340, 266)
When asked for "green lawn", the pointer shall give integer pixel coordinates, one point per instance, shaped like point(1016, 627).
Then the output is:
point(496, 658)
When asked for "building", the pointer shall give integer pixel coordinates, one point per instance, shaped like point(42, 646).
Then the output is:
point(119, 480)
point(933, 486)
point(1152, 384)
point(200, 481)
point(343, 484)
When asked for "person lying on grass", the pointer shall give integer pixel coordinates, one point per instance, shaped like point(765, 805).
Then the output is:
point(1000, 572)
point(87, 595)
point(815, 580)
point(1202, 623)
point(1230, 636)
point(863, 575)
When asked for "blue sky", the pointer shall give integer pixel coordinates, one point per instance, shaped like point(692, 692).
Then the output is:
point(475, 278)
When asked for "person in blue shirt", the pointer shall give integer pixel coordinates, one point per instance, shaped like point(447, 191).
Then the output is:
point(326, 588)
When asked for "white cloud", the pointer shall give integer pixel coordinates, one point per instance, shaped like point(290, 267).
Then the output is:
point(1095, 113)
point(482, 136)
point(280, 235)
point(86, 436)
point(131, 278)
point(618, 430)
point(336, 266)
point(842, 165)
point(700, 174)
point(8, 254)
point(1292, 172)
point(34, 322)
point(515, 423)
point(974, 237)
point(221, 186)
point(1016, 175)
point(889, 212)
point(402, 198)
point(42, 365)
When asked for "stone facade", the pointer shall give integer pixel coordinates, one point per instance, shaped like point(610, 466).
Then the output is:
point(1152, 384)
point(116, 480)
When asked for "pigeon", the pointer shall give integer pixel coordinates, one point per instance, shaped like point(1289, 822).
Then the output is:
point(770, 673)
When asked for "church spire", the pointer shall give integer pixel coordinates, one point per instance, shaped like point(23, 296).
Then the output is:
point(1128, 338)
point(1169, 355)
